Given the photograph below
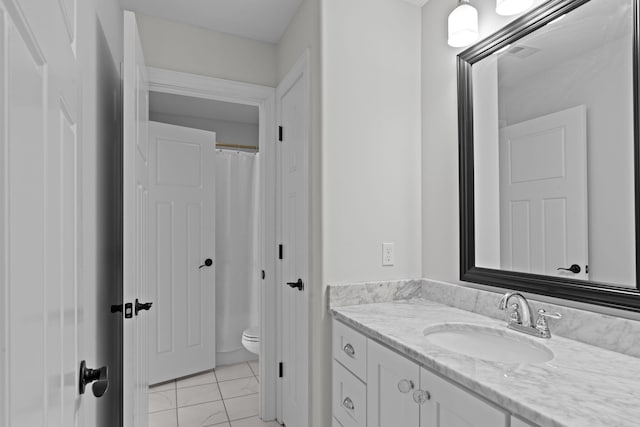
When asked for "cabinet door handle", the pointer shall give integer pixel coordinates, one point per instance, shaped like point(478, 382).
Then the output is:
point(421, 396)
point(351, 352)
point(405, 386)
point(348, 403)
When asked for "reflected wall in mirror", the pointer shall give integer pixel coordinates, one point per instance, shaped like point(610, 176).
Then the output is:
point(548, 152)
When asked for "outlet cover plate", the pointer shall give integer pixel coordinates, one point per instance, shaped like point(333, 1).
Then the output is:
point(388, 256)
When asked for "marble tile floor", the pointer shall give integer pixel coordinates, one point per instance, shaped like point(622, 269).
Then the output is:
point(224, 397)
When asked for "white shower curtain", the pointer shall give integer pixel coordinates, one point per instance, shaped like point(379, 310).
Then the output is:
point(237, 255)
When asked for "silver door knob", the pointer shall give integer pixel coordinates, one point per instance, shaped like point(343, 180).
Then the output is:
point(421, 396)
point(348, 403)
point(405, 386)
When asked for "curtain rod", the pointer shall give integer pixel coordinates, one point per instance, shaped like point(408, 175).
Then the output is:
point(244, 147)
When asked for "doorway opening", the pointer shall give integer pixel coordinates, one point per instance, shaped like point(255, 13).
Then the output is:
point(212, 135)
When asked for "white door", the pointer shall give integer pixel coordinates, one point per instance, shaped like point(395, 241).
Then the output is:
point(41, 287)
point(182, 246)
point(543, 194)
point(135, 227)
point(391, 381)
point(293, 104)
point(445, 404)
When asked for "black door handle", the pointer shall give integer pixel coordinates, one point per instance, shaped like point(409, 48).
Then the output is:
point(207, 263)
point(575, 269)
point(297, 285)
point(99, 378)
point(142, 306)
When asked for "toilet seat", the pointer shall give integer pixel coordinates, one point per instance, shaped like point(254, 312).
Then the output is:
point(252, 334)
point(251, 339)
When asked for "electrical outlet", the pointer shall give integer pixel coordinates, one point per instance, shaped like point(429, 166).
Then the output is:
point(387, 254)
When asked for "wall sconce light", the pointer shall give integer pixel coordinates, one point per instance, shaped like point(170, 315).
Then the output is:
point(463, 25)
point(512, 7)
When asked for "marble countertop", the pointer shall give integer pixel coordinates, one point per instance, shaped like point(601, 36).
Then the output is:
point(582, 385)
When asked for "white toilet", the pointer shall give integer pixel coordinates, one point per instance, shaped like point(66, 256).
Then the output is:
point(251, 339)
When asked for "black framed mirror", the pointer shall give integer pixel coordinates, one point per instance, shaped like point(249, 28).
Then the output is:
point(548, 128)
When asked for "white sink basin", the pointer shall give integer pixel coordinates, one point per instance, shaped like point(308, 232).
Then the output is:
point(486, 343)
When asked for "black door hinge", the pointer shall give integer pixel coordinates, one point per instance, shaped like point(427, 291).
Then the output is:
point(263, 275)
point(280, 133)
point(280, 370)
point(280, 251)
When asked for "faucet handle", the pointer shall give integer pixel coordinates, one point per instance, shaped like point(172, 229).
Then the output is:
point(543, 313)
point(541, 324)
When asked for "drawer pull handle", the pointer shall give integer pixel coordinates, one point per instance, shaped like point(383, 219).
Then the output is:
point(421, 396)
point(405, 386)
point(351, 352)
point(348, 403)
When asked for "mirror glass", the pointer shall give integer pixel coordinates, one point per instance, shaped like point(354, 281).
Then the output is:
point(553, 146)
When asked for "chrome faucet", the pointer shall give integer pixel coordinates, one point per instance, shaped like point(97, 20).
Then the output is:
point(525, 322)
point(527, 317)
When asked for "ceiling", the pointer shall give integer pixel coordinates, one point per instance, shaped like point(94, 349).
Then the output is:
point(264, 20)
point(186, 106)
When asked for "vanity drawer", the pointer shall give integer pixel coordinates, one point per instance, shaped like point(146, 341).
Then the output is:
point(349, 398)
point(350, 349)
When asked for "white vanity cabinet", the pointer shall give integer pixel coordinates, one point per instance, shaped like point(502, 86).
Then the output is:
point(394, 391)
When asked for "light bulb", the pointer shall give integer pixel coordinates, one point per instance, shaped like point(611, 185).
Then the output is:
point(463, 25)
point(512, 7)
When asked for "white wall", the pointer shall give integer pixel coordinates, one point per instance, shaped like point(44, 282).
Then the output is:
point(371, 130)
point(180, 47)
point(100, 50)
point(486, 178)
point(226, 132)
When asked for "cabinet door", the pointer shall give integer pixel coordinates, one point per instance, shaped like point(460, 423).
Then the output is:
point(449, 405)
point(392, 380)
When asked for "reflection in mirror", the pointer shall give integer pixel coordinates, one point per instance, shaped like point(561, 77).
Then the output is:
point(553, 149)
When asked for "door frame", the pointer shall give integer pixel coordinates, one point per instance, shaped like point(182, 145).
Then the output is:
point(263, 97)
point(298, 72)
